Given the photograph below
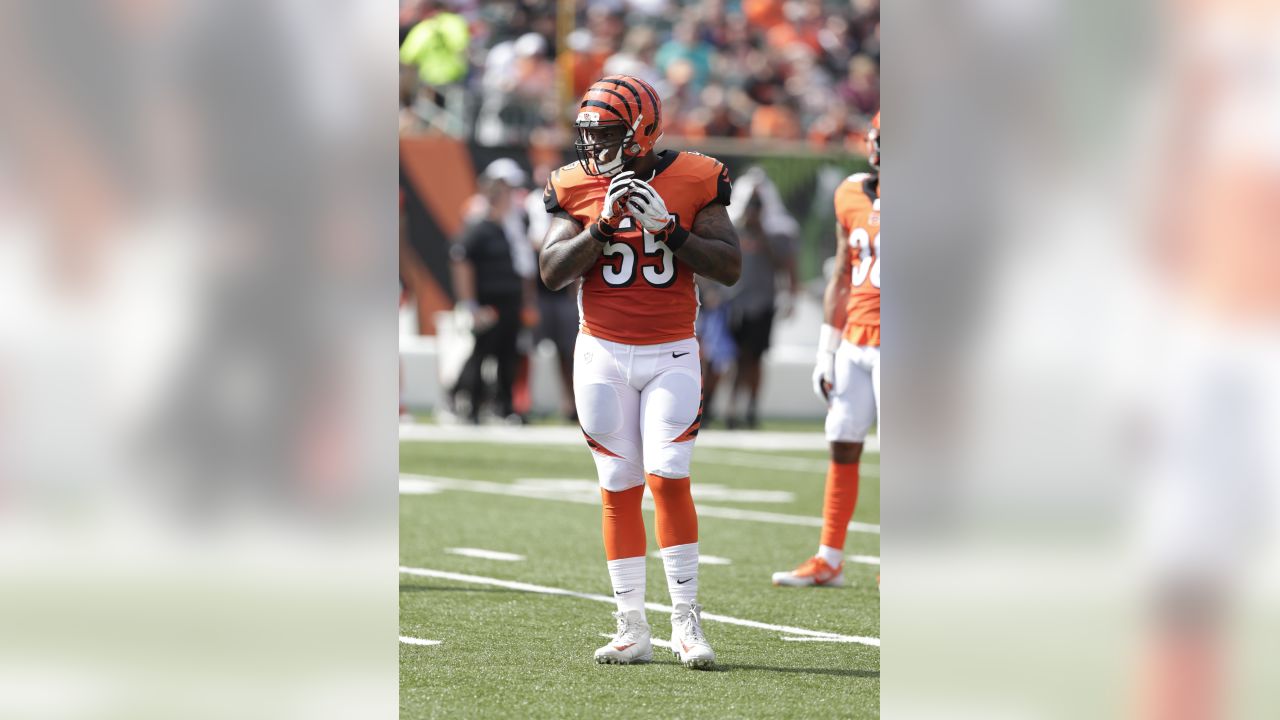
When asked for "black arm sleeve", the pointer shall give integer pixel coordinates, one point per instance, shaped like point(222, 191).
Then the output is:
point(724, 187)
point(550, 200)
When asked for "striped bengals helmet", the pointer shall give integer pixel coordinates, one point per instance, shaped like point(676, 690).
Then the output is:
point(619, 119)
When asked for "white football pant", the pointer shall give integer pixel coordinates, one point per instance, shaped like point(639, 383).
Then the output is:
point(639, 406)
point(855, 396)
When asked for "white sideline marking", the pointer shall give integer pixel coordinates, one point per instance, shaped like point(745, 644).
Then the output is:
point(418, 641)
point(864, 559)
point(749, 459)
point(703, 559)
point(817, 639)
point(656, 641)
point(543, 589)
point(415, 486)
point(485, 554)
point(423, 484)
point(756, 460)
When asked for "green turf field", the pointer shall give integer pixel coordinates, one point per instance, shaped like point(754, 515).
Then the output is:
point(522, 652)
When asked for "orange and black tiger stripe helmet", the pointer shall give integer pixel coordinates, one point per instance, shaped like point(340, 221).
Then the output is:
point(619, 119)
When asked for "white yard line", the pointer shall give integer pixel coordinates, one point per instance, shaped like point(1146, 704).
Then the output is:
point(817, 639)
point(863, 559)
point(566, 435)
point(656, 641)
point(428, 484)
point(760, 461)
point(544, 590)
point(485, 554)
point(750, 459)
point(418, 641)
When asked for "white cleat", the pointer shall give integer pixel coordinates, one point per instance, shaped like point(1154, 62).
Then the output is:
point(687, 641)
point(630, 644)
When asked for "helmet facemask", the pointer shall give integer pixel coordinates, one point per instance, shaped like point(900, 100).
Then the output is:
point(873, 148)
point(600, 145)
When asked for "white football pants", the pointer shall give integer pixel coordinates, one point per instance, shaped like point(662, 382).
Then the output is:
point(855, 397)
point(640, 407)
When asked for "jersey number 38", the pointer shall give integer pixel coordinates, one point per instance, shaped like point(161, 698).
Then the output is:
point(868, 264)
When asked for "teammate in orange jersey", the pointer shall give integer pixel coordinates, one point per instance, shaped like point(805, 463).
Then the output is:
point(847, 375)
point(636, 226)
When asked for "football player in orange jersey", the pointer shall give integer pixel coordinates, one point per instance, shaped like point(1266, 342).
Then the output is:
point(636, 226)
point(847, 374)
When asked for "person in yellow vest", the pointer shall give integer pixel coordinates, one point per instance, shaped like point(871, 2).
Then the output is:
point(437, 46)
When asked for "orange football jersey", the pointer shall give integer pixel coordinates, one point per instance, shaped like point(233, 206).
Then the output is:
point(638, 292)
point(858, 212)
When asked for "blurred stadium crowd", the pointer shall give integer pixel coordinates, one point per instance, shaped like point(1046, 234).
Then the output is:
point(501, 72)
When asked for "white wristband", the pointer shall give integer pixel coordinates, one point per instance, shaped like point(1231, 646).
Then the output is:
point(828, 338)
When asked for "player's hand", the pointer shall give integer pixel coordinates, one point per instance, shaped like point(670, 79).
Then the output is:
point(824, 375)
point(824, 369)
point(648, 208)
point(615, 198)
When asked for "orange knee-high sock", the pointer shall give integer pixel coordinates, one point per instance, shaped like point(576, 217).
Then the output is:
point(623, 523)
point(839, 503)
point(675, 516)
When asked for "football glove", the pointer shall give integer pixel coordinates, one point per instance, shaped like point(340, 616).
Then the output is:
point(614, 209)
point(615, 198)
point(824, 370)
point(648, 208)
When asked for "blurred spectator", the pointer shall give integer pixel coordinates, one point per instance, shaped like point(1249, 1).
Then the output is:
point(585, 60)
point(557, 309)
point(636, 57)
point(591, 45)
point(768, 235)
point(801, 25)
point(772, 118)
point(437, 45)
point(861, 87)
point(685, 46)
point(490, 286)
point(715, 118)
point(836, 128)
point(763, 14)
point(781, 70)
point(715, 345)
point(518, 76)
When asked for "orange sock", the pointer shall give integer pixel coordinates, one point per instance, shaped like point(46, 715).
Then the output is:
point(676, 518)
point(623, 523)
point(837, 507)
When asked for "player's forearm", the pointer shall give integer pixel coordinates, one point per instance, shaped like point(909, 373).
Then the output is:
point(835, 301)
point(564, 261)
point(710, 247)
point(712, 258)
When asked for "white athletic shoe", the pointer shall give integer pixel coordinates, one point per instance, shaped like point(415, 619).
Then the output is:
point(630, 644)
point(814, 571)
point(687, 641)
